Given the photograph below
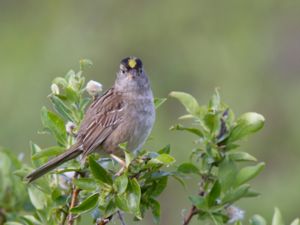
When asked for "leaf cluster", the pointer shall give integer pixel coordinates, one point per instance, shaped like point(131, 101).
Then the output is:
point(216, 160)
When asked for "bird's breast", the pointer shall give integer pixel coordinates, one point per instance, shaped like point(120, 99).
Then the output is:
point(140, 121)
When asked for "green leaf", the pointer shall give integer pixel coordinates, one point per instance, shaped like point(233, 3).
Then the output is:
point(85, 184)
point(72, 95)
point(214, 194)
point(61, 108)
point(35, 149)
point(188, 168)
point(121, 203)
point(48, 152)
point(166, 150)
point(155, 209)
point(189, 129)
point(37, 197)
point(186, 117)
point(277, 218)
point(212, 121)
point(234, 195)
point(32, 219)
point(247, 124)
point(247, 173)
point(60, 81)
point(295, 222)
point(55, 125)
point(88, 204)
point(128, 158)
point(110, 209)
point(99, 172)
point(12, 223)
point(251, 193)
point(215, 101)
point(199, 202)
point(134, 196)
point(227, 174)
point(164, 159)
point(58, 197)
point(241, 156)
point(158, 102)
point(257, 220)
point(158, 186)
point(189, 102)
point(120, 184)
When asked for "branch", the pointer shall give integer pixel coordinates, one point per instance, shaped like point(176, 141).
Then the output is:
point(194, 211)
point(74, 199)
point(121, 217)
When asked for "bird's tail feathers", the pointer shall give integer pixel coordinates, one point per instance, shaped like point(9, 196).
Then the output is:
point(71, 153)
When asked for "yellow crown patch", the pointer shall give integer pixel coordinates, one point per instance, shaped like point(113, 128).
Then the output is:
point(131, 63)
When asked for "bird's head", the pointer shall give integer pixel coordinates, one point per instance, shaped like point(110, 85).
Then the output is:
point(131, 75)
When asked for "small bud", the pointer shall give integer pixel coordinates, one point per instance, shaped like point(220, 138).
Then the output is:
point(84, 63)
point(254, 120)
point(21, 156)
point(70, 126)
point(93, 88)
point(235, 214)
point(248, 123)
point(55, 89)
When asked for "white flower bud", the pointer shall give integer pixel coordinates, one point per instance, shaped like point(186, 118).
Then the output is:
point(93, 88)
point(55, 89)
point(70, 126)
point(247, 123)
point(234, 213)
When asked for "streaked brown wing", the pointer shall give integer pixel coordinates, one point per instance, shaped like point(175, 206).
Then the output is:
point(101, 118)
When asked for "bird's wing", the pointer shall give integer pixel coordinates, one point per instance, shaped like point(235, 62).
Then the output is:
point(101, 118)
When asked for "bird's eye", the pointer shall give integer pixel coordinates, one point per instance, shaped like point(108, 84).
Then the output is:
point(140, 71)
point(122, 71)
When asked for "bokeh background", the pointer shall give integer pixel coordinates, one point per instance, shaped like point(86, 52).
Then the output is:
point(249, 49)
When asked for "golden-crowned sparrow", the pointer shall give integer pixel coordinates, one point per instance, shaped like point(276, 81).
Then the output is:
point(124, 113)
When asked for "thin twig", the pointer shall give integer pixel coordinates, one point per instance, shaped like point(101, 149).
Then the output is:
point(74, 199)
point(121, 218)
point(194, 211)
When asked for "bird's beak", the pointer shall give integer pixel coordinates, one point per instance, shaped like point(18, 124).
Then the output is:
point(131, 74)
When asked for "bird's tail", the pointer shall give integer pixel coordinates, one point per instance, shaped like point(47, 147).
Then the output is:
point(71, 153)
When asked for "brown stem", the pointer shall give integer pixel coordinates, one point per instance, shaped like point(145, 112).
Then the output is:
point(193, 211)
point(74, 200)
point(121, 218)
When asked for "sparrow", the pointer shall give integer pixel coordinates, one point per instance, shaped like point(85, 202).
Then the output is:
point(125, 113)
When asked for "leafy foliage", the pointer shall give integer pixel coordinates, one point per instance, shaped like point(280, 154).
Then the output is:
point(101, 188)
point(216, 160)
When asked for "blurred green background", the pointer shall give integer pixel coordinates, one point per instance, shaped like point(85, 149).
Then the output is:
point(250, 49)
